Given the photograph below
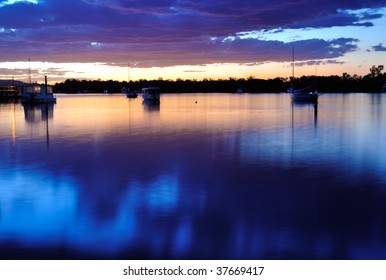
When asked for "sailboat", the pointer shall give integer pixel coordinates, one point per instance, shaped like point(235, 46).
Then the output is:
point(129, 94)
point(300, 95)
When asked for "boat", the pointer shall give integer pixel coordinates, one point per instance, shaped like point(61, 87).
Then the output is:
point(129, 94)
point(151, 94)
point(10, 89)
point(37, 93)
point(9, 92)
point(302, 94)
point(132, 94)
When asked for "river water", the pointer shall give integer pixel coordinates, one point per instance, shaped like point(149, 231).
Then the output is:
point(198, 176)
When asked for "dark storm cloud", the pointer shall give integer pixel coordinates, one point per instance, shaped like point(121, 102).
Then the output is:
point(199, 52)
point(172, 32)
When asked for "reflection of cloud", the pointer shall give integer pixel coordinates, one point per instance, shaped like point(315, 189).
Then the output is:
point(163, 194)
point(40, 209)
point(35, 206)
point(205, 182)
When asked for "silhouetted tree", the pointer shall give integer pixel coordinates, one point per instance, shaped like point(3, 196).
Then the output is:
point(372, 82)
point(376, 71)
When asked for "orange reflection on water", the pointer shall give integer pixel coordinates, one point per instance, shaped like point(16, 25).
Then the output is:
point(14, 125)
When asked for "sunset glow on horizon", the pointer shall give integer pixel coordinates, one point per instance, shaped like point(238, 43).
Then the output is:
point(171, 39)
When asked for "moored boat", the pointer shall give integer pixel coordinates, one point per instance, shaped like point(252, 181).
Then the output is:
point(129, 94)
point(38, 93)
point(9, 92)
point(127, 91)
point(151, 94)
point(305, 97)
point(301, 95)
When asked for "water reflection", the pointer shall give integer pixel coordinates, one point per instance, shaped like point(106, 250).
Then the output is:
point(150, 105)
point(38, 112)
point(308, 108)
point(228, 177)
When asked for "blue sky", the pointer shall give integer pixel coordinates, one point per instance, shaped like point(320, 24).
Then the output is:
point(170, 39)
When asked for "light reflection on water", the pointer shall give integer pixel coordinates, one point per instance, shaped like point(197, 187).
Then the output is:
point(198, 176)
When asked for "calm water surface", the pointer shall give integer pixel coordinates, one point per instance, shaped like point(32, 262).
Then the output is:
point(199, 176)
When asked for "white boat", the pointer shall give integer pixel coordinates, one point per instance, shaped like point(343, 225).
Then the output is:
point(37, 93)
point(151, 94)
point(301, 95)
point(305, 97)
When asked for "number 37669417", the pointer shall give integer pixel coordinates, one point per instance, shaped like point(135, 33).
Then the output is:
point(240, 270)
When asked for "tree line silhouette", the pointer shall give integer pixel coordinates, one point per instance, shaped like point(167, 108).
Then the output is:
point(372, 82)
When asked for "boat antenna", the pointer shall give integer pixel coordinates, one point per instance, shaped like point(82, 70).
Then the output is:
point(29, 70)
point(46, 84)
point(316, 75)
point(128, 72)
point(293, 63)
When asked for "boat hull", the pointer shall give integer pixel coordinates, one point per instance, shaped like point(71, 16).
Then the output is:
point(131, 95)
point(304, 97)
point(128, 93)
point(38, 100)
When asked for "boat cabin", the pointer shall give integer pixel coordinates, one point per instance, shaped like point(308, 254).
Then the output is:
point(151, 93)
point(38, 93)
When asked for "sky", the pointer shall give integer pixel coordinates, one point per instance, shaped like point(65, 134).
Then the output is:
point(170, 39)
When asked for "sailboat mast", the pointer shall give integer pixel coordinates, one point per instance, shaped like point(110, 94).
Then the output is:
point(29, 70)
point(293, 63)
point(128, 73)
